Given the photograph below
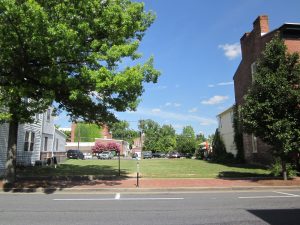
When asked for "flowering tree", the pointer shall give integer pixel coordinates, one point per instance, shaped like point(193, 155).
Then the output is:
point(99, 147)
point(111, 146)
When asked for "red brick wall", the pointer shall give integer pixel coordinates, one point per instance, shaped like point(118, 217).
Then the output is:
point(252, 44)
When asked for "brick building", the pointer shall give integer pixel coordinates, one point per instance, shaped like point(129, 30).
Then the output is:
point(252, 45)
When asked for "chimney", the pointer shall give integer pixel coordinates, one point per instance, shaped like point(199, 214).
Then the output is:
point(105, 132)
point(73, 128)
point(261, 25)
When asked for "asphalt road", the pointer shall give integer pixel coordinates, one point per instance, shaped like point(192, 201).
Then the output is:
point(224, 207)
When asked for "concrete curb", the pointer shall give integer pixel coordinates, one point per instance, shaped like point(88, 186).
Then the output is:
point(53, 190)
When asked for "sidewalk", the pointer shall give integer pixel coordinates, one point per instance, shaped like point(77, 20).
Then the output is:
point(148, 184)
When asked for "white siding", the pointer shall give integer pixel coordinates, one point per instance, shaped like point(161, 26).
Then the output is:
point(3, 146)
point(28, 157)
point(60, 139)
point(42, 127)
point(227, 131)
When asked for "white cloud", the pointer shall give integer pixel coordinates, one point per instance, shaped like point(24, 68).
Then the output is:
point(217, 99)
point(156, 110)
point(231, 51)
point(175, 116)
point(193, 110)
point(221, 84)
point(175, 104)
point(225, 83)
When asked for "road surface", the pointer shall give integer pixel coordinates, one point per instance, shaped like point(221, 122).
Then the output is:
point(280, 207)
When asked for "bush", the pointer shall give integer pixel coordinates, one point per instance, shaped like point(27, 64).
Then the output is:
point(276, 169)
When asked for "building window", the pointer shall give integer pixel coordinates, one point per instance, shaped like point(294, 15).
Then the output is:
point(220, 122)
point(29, 141)
point(56, 147)
point(254, 144)
point(48, 115)
point(46, 144)
point(253, 70)
point(37, 117)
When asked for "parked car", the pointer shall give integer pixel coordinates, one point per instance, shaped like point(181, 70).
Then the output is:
point(105, 155)
point(187, 155)
point(88, 155)
point(158, 155)
point(147, 155)
point(74, 154)
point(174, 155)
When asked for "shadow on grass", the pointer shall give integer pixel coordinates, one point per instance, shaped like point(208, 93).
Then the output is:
point(245, 175)
point(240, 165)
point(51, 179)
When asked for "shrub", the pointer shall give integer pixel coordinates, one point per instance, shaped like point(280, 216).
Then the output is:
point(276, 169)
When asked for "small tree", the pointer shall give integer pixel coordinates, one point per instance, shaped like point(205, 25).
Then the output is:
point(218, 147)
point(272, 105)
point(238, 135)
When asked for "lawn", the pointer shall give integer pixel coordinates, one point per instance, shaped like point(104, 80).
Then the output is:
point(149, 168)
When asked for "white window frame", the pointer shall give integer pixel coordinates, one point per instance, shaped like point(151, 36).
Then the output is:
point(254, 143)
point(29, 141)
point(46, 144)
point(48, 115)
point(253, 70)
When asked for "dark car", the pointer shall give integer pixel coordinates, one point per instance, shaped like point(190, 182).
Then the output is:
point(174, 155)
point(187, 155)
point(147, 155)
point(158, 155)
point(75, 154)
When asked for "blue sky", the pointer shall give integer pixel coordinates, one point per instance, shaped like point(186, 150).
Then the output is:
point(195, 44)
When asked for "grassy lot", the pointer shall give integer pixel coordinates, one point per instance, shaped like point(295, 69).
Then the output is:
point(149, 168)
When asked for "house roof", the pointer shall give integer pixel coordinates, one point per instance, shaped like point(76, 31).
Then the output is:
point(225, 111)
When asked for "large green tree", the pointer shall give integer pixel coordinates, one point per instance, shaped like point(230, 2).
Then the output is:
point(121, 130)
point(186, 141)
point(69, 52)
point(167, 138)
point(272, 105)
point(151, 132)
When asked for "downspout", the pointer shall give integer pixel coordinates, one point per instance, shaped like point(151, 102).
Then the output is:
point(53, 141)
point(42, 131)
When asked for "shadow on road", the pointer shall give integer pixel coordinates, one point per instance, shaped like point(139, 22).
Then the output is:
point(278, 216)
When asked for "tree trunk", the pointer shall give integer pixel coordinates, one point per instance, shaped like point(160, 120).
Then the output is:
point(284, 172)
point(10, 166)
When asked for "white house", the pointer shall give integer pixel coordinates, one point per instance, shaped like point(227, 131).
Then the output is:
point(36, 141)
point(226, 130)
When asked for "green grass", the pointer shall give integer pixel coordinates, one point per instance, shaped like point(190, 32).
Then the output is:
point(150, 168)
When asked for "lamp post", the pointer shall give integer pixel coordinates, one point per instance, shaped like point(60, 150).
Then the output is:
point(119, 163)
point(137, 174)
point(78, 135)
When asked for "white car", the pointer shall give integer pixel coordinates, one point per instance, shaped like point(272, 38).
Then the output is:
point(105, 155)
point(87, 155)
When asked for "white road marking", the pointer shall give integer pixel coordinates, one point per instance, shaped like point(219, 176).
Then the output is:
point(271, 196)
point(114, 199)
point(118, 195)
point(284, 193)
